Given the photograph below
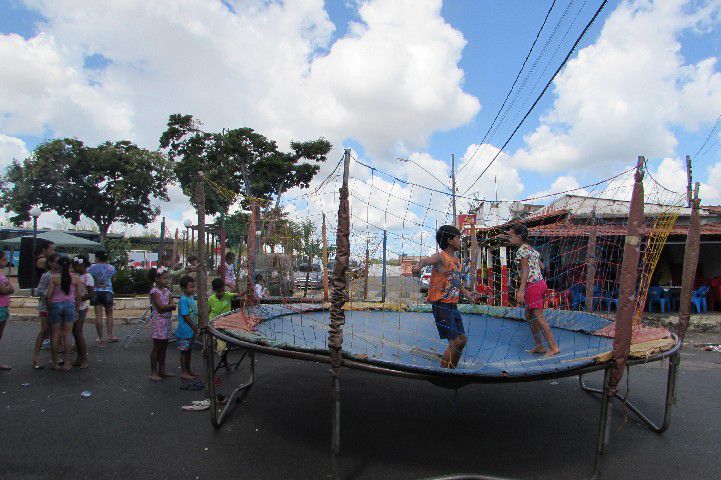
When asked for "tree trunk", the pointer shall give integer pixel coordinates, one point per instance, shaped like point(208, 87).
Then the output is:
point(103, 232)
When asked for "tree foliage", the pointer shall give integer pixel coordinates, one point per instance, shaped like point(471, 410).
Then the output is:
point(113, 182)
point(240, 160)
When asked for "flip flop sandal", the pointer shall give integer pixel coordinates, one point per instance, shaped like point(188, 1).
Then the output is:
point(201, 402)
point(5, 367)
point(37, 367)
point(191, 387)
point(194, 408)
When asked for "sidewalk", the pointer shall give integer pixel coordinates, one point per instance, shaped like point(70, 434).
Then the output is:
point(121, 317)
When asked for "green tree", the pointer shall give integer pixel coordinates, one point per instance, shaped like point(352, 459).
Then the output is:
point(240, 160)
point(113, 182)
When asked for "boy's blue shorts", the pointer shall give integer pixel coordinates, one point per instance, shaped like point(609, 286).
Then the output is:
point(448, 320)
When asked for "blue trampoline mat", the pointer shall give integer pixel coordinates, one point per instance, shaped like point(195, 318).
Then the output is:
point(409, 340)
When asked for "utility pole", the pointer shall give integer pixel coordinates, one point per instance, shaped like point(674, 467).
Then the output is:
point(689, 180)
point(453, 188)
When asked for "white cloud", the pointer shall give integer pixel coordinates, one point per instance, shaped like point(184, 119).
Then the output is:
point(42, 88)
point(560, 186)
point(501, 180)
point(624, 95)
point(392, 81)
point(11, 148)
point(710, 192)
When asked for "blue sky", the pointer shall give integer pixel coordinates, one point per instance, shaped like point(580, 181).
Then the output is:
point(497, 36)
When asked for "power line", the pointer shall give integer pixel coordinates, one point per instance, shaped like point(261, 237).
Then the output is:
point(563, 63)
point(518, 75)
point(710, 134)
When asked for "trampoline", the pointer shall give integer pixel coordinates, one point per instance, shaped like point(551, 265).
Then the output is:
point(404, 341)
point(406, 344)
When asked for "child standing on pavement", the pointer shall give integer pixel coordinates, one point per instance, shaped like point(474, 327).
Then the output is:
point(63, 297)
point(219, 303)
point(52, 266)
point(161, 306)
point(446, 285)
point(5, 290)
point(87, 284)
point(187, 325)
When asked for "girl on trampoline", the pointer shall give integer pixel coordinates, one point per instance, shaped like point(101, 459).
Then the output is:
point(531, 290)
point(446, 284)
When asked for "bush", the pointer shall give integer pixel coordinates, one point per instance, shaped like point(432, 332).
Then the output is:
point(141, 281)
point(123, 282)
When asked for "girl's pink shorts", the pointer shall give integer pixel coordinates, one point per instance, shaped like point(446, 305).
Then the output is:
point(534, 294)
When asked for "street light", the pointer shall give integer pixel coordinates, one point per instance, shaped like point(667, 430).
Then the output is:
point(35, 213)
point(187, 223)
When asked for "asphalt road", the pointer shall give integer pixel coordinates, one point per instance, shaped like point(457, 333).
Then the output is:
point(391, 428)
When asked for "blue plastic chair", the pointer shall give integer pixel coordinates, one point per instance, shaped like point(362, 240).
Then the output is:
point(698, 298)
point(611, 299)
point(578, 296)
point(656, 295)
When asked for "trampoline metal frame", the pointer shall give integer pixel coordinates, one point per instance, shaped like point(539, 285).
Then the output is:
point(218, 417)
point(456, 381)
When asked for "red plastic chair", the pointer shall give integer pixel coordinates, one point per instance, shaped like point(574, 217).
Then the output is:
point(715, 292)
point(552, 300)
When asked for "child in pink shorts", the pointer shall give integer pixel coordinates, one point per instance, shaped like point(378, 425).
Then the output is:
point(532, 289)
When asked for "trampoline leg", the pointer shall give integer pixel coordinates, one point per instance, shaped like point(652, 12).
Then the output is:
point(673, 363)
point(604, 423)
point(218, 417)
point(335, 411)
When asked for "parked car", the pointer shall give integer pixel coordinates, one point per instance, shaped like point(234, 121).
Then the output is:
point(308, 277)
point(425, 281)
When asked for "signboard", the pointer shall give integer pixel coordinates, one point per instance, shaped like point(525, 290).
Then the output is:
point(466, 220)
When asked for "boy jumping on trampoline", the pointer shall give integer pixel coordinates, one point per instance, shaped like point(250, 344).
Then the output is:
point(445, 286)
point(531, 290)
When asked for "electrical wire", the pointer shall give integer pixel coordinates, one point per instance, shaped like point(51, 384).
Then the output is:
point(538, 99)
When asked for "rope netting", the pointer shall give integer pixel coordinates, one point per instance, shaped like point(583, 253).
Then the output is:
point(579, 234)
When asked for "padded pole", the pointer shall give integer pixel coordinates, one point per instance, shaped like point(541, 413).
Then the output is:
point(690, 263)
point(591, 263)
point(202, 274)
point(629, 275)
point(325, 261)
point(221, 243)
point(249, 291)
point(338, 298)
point(366, 270)
point(474, 257)
point(504, 275)
point(202, 278)
point(383, 273)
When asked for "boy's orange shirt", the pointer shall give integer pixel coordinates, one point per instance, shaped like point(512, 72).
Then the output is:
point(445, 282)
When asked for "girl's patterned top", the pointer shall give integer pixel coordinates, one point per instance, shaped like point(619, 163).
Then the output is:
point(164, 295)
point(534, 262)
point(445, 286)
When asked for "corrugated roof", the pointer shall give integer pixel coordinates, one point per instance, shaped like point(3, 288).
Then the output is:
point(563, 229)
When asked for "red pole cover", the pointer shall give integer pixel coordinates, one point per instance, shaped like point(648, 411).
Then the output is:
point(629, 276)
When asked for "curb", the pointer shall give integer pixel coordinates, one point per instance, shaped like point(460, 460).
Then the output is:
point(116, 320)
